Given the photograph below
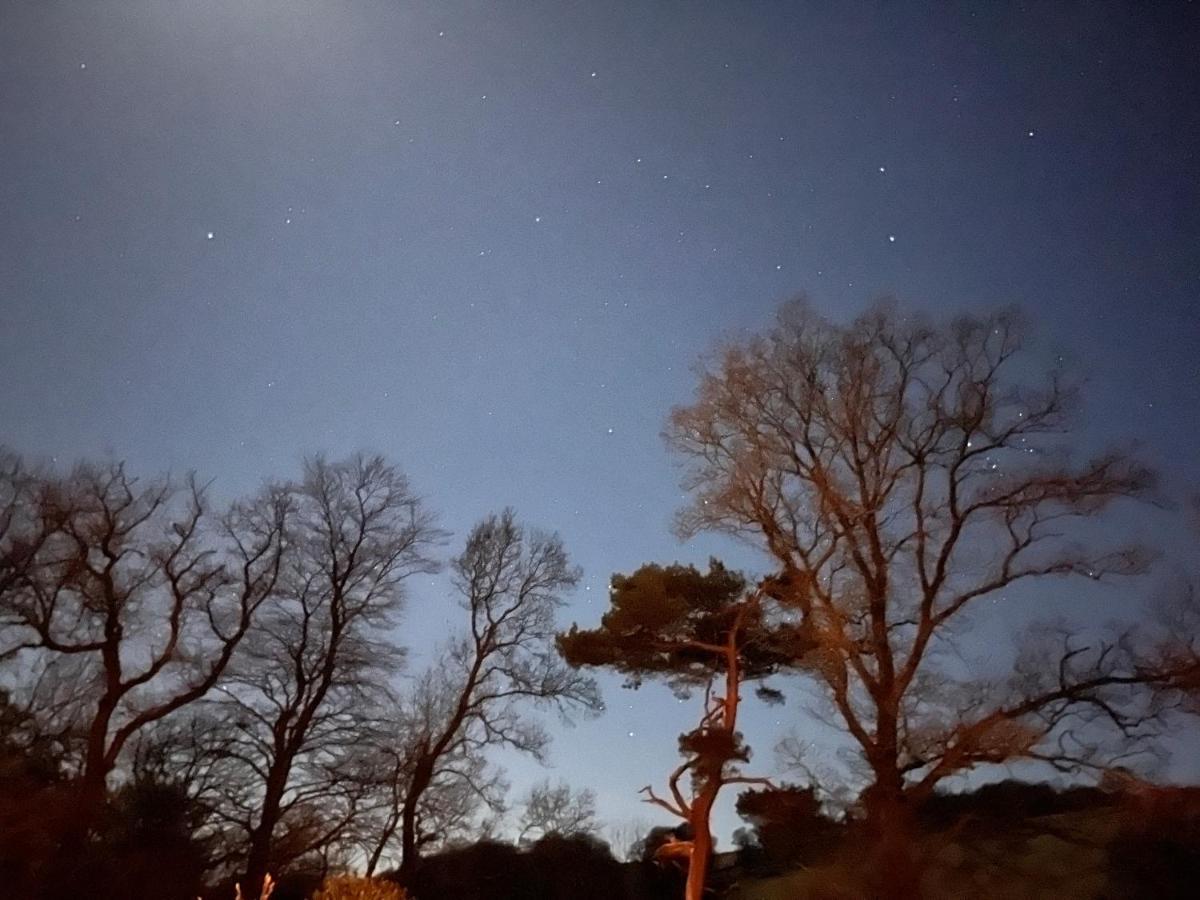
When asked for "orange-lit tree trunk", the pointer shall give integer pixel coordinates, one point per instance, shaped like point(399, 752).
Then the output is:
point(703, 803)
point(698, 862)
point(896, 864)
point(717, 745)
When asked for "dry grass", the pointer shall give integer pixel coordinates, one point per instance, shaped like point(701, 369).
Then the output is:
point(338, 887)
point(352, 887)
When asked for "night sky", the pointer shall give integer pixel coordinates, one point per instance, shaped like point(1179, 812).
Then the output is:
point(491, 239)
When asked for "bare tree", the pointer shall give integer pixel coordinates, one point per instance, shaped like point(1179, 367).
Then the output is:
point(20, 537)
point(901, 476)
point(557, 809)
point(127, 600)
point(465, 793)
point(625, 837)
point(477, 695)
point(1174, 661)
point(317, 663)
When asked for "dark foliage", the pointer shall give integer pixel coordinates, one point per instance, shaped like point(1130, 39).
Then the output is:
point(555, 868)
point(35, 798)
point(1156, 853)
point(1162, 863)
point(144, 847)
point(663, 620)
point(787, 829)
point(1009, 804)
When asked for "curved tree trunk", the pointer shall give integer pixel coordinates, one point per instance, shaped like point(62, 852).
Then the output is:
point(389, 831)
point(409, 846)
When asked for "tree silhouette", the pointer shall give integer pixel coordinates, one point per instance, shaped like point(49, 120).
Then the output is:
point(315, 670)
point(1174, 660)
point(128, 600)
point(692, 630)
point(555, 809)
point(788, 825)
point(479, 692)
point(900, 473)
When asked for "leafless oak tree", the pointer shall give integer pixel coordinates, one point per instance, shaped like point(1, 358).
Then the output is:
point(128, 600)
point(902, 474)
point(314, 673)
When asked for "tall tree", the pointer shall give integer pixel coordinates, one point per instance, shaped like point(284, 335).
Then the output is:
point(478, 693)
point(127, 599)
point(901, 475)
point(318, 661)
point(691, 629)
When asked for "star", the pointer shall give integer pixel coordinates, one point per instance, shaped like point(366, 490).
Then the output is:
point(882, 169)
point(892, 238)
point(537, 218)
point(209, 235)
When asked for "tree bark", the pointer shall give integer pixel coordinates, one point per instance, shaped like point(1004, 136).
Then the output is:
point(258, 859)
point(389, 831)
point(91, 788)
point(409, 852)
point(701, 842)
point(891, 825)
